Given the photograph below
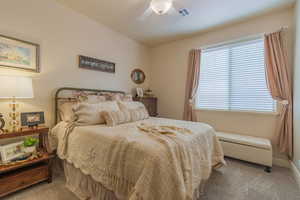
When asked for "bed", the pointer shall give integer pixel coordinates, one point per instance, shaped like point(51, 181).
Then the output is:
point(150, 158)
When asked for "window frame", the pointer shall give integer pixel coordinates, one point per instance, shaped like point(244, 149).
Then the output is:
point(233, 43)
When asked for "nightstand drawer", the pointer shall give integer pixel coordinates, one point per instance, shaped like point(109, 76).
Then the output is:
point(20, 179)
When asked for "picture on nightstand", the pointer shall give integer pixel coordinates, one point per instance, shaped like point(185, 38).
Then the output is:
point(31, 119)
point(11, 151)
point(140, 92)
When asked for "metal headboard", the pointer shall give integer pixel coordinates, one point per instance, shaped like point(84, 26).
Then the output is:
point(90, 91)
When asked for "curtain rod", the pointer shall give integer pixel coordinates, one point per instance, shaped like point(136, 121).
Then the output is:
point(241, 39)
point(245, 38)
point(283, 28)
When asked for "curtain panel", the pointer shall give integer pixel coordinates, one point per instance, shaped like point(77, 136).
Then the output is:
point(280, 86)
point(192, 83)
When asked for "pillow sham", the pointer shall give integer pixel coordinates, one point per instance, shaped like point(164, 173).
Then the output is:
point(89, 114)
point(65, 111)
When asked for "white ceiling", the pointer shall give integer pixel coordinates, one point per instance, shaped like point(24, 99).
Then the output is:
point(125, 16)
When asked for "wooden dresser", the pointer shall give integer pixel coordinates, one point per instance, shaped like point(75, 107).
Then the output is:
point(16, 176)
point(150, 103)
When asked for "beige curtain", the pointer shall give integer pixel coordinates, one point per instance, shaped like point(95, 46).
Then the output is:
point(280, 86)
point(192, 83)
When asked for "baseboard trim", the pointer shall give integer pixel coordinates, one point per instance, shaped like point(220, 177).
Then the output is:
point(296, 173)
point(281, 162)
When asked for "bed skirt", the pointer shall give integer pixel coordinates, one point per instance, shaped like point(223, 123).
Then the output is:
point(86, 188)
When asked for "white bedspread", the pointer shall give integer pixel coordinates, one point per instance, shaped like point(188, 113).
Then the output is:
point(138, 163)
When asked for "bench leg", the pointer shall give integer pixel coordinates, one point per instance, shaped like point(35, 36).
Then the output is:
point(268, 169)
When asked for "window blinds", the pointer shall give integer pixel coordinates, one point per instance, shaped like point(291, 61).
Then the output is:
point(232, 77)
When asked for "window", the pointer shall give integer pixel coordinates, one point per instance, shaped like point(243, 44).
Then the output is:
point(232, 77)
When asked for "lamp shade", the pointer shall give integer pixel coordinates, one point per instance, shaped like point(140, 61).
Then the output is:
point(15, 86)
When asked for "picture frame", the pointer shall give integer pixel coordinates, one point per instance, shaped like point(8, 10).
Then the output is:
point(140, 92)
point(12, 151)
point(86, 62)
point(19, 54)
point(32, 119)
point(138, 76)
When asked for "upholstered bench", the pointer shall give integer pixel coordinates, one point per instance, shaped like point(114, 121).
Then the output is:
point(247, 148)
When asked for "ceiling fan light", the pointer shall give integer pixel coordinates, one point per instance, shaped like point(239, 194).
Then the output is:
point(161, 7)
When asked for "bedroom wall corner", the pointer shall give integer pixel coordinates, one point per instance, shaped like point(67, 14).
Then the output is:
point(63, 34)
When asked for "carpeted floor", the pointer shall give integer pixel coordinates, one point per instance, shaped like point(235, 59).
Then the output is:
point(237, 181)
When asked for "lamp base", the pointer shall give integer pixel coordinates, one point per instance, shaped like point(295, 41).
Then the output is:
point(2, 124)
point(14, 122)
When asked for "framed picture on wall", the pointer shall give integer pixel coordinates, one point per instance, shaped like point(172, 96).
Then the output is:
point(96, 64)
point(19, 54)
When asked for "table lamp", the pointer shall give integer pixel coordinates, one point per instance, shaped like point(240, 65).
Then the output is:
point(15, 87)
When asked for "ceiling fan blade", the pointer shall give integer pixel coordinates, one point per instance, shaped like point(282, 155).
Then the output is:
point(148, 12)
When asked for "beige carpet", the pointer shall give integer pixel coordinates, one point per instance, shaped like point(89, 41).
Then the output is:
point(237, 181)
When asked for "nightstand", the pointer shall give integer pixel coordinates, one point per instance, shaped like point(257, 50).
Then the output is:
point(150, 103)
point(14, 177)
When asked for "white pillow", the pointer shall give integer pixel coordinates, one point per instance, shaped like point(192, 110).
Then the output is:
point(89, 114)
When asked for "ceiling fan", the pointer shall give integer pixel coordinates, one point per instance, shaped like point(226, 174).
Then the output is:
point(163, 7)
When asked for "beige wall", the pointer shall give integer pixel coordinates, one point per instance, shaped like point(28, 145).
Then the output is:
point(169, 68)
point(64, 34)
point(297, 90)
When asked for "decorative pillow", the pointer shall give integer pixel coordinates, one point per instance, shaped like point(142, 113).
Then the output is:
point(66, 112)
point(131, 105)
point(138, 114)
point(89, 114)
point(113, 118)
